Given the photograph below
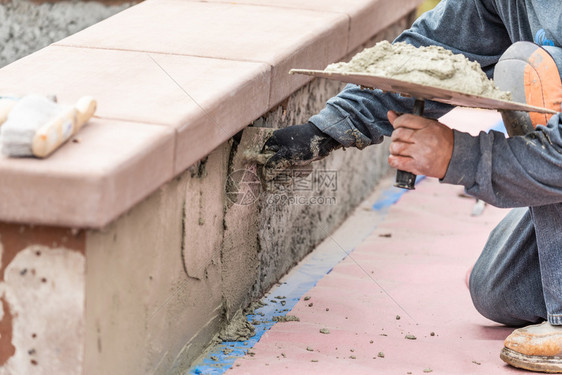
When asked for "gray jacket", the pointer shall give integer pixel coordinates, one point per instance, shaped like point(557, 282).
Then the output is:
point(506, 172)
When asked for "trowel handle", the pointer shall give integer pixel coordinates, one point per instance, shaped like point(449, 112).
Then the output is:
point(407, 180)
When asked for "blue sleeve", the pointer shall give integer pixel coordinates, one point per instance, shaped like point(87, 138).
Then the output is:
point(510, 172)
point(357, 117)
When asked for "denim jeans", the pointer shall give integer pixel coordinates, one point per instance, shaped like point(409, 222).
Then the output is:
point(517, 279)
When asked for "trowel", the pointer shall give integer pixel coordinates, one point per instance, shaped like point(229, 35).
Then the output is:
point(253, 158)
point(421, 93)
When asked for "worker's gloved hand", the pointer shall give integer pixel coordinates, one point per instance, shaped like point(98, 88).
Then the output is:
point(298, 145)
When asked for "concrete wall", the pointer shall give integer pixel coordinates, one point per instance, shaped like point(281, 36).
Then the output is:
point(187, 258)
point(148, 292)
point(27, 26)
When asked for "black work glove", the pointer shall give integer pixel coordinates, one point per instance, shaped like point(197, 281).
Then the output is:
point(298, 145)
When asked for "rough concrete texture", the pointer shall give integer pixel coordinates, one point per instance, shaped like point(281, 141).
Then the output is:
point(26, 26)
point(49, 339)
point(154, 285)
point(42, 300)
point(288, 231)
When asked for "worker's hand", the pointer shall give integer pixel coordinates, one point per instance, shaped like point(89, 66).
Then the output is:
point(419, 145)
point(297, 145)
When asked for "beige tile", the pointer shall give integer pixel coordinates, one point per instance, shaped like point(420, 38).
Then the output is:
point(367, 17)
point(206, 100)
point(281, 37)
point(228, 96)
point(375, 17)
point(141, 87)
point(87, 184)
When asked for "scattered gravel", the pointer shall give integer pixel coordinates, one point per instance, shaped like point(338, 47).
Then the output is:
point(26, 27)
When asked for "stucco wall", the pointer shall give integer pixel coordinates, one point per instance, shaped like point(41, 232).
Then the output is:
point(176, 268)
point(159, 282)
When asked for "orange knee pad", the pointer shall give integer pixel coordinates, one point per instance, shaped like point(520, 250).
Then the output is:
point(532, 74)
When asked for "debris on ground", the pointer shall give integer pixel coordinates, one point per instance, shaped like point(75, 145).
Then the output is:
point(410, 337)
point(325, 331)
point(251, 310)
point(286, 318)
point(239, 329)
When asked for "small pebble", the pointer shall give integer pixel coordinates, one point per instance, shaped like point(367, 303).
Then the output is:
point(325, 331)
point(306, 298)
point(410, 337)
point(476, 363)
point(380, 355)
point(313, 360)
point(352, 357)
point(397, 317)
point(427, 370)
point(309, 349)
point(432, 334)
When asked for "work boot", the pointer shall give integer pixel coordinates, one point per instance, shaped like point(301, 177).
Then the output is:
point(537, 348)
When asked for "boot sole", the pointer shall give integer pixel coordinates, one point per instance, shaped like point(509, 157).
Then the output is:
point(536, 363)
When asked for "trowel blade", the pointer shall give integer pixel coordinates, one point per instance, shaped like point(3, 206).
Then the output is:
point(251, 144)
point(424, 92)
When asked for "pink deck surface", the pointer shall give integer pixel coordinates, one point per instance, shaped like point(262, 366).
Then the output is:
point(412, 266)
point(408, 277)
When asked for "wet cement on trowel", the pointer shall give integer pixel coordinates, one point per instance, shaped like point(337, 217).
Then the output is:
point(430, 66)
